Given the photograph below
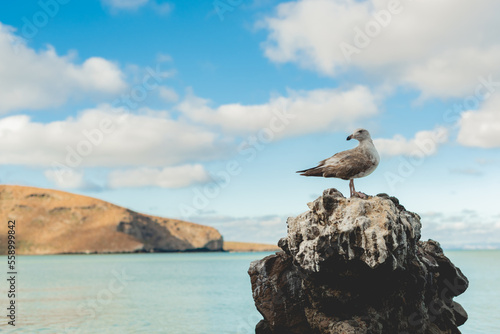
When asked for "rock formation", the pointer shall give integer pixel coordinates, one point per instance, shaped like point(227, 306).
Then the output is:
point(162, 235)
point(54, 222)
point(356, 266)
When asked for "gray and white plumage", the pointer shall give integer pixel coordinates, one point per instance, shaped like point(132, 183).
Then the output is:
point(358, 162)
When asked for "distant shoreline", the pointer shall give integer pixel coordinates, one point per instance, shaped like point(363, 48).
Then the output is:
point(237, 247)
point(243, 249)
point(228, 247)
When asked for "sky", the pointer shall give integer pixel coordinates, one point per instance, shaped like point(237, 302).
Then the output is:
point(203, 112)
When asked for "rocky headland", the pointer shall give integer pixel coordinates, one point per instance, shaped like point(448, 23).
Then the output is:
point(56, 222)
point(357, 266)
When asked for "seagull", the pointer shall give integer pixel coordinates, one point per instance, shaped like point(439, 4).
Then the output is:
point(358, 162)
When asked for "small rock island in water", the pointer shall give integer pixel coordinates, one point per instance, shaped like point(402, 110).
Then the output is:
point(357, 266)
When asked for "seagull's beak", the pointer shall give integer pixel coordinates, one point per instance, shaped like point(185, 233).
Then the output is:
point(349, 138)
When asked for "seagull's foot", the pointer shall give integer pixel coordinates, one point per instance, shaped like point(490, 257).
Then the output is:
point(359, 195)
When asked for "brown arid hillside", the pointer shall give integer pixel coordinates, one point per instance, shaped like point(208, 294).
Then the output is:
point(55, 222)
point(232, 246)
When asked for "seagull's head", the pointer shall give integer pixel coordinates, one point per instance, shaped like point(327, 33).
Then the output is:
point(360, 134)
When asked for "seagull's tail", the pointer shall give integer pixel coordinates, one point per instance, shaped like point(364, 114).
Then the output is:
point(315, 171)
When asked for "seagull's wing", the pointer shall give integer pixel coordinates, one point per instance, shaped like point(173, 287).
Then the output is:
point(343, 165)
point(327, 163)
point(348, 165)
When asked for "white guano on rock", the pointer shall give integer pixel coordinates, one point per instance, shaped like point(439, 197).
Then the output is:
point(373, 230)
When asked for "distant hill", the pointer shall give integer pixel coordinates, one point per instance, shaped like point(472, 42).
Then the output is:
point(55, 222)
point(233, 246)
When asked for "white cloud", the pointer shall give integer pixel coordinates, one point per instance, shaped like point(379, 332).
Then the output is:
point(34, 80)
point(424, 143)
point(320, 110)
point(161, 8)
point(453, 73)
point(438, 47)
point(72, 179)
point(484, 162)
point(260, 229)
point(466, 171)
point(105, 137)
point(164, 58)
point(465, 229)
point(271, 222)
point(481, 128)
point(125, 4)
point(168, 177)
point(168, 94)
point(308, 32)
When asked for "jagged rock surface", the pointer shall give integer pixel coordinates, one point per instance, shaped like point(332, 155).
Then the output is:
point(356, 266)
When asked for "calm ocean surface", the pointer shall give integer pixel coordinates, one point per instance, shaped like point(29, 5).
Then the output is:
point(182, 293)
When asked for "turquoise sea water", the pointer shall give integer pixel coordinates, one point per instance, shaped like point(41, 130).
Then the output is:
point(182, 293)
point(482, 298)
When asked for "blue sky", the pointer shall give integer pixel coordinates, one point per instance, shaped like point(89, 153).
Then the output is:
point(205, 112)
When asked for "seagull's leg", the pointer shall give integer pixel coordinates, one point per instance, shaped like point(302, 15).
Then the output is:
point(355, 193)
point(351, 187)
